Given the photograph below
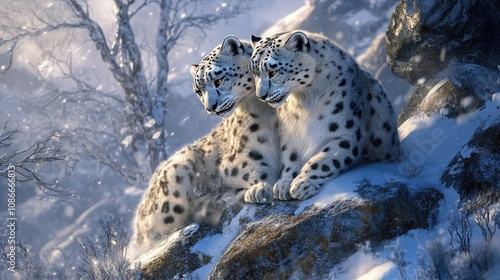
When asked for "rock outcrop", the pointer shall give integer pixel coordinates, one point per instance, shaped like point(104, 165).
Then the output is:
point(173, 256)
point(276, 243)
point(424, 37)
point(308, 245)
point(457, 90)
point(473, 172)
point(449, 51)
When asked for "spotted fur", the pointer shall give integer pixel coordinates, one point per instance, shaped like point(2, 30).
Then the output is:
point(332, 114)
point(240, 155)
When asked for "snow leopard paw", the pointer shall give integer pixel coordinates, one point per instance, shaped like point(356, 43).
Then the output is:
point(303, 188)
point(260, 193)
point(281, 189)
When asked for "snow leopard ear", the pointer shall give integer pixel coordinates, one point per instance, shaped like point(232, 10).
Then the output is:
point(192, 69)
point(298, 41)
point(254, 40)
point(231, 46)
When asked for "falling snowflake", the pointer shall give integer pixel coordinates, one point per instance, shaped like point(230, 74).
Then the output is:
point(127, 141)
point(157, 135)
point(150, 123)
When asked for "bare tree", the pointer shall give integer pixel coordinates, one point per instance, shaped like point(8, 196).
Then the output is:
point(24, 162)
point(144, 92)
point(105, 256)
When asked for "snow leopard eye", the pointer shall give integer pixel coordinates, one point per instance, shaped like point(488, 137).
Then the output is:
point(218, 82)
point(272, 73)
point(198, 92)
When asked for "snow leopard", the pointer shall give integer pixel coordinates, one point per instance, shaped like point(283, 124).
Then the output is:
point(239, 156)
point(333, 115)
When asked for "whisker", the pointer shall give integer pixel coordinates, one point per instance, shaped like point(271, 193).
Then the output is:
point(204, 113)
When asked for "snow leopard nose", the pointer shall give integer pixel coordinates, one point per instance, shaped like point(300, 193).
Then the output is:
point(262, 87)
point(212, 107)
point(263, 97)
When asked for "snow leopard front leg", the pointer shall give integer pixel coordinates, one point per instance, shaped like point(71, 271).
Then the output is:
point(260, 177)
point(336, 157)
point(290, 168)
point(250, 164)
point(249, 171)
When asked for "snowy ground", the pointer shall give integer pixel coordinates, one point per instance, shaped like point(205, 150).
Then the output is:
point(429, 143)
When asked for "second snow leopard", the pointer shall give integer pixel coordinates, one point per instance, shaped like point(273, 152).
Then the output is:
point(333, 115)
point(240, 154)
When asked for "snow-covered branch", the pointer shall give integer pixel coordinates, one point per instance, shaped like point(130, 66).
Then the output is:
point(11, 43)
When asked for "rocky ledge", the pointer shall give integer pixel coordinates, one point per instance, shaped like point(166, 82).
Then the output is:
point(281, 240)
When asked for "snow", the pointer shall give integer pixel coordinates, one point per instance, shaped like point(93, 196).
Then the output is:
point(431, 141)
point(343, 186)
point(364, 266)
point(436, 139)
point(215, 245)
point(436, 87)
point(371, 263)
point(467, 151)
point(361, 17)
point(289, 22)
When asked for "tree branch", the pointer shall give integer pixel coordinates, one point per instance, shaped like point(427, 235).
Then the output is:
point(25, 161)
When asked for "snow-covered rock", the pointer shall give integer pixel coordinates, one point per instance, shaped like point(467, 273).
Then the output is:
point(457, 90)
point(308, 245)
point(473, 172)
point(293, 239)
point(174, 256)
point(449, 51)
point(424, 36)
